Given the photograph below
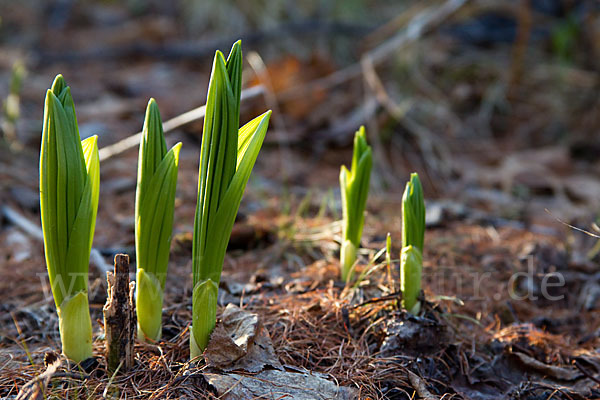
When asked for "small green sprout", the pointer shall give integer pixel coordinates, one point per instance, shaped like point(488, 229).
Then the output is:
point(354, 187)
point(227, 156)
point(11, 109)
point(413, 213)
point(413, 238)
point(388, 257)
point(154, 207)
point(411, 265)
point(69, 189)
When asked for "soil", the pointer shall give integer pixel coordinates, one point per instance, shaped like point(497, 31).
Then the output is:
point(503, 139)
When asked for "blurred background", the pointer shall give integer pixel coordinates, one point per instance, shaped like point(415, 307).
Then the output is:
point(495, 103)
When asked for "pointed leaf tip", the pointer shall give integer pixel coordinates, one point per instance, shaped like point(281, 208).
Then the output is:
point(176, 149)
point(59, 84)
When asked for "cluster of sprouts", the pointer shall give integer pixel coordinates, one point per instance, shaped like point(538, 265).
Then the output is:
point(69, 194)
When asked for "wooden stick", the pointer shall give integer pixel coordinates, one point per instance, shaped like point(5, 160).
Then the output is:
point(187, 117)
point(119, 316)
point(34, 230)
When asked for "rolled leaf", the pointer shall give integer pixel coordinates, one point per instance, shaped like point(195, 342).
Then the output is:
point(413, 214)
point(149, 301)
point(347, 258)
point(69, 191)
point(204, 315)
point(75, 326)
point(227, 157)
point(354, 187)
point(154, 208)
point(411, 265)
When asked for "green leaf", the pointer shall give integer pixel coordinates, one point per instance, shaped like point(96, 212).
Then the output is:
point(155, 217)
point(154, 209)
point(75, 326)
point(347, 259)
point(411, 265)
point(354, 187)
point(413, 214)
point(69, 191)
point(149, 301)
point(82, 229)
point(227, 157)
point(230, 204)
point(204, 315)
point(217, 158)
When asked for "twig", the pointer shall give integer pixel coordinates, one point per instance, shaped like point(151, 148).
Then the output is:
point(26, 225)
point(586, 372)
point(418, 26)
point(420, 387)
point(200, 50)
point(36, 232)
point(391, 296)
point(185, 118)
point(571, 226)
point(260, 69)
point(35, 388)
point(119, 317)
point(394, 25)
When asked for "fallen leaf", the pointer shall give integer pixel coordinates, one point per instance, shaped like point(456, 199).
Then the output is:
point(239, 342)
point(274, 384)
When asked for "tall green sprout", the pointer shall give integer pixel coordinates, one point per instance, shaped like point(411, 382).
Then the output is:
point(69, 188)
point(413, 238)
point(154, 206)
point(227, 156)
point(354, 186)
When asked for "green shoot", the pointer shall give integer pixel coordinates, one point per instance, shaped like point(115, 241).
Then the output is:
point(413, 237)
point(413, 213)
point(69, 189)
point(154, 207)
point(354, 187)
point(411, 265)
point(388, 259)
point(227, 156)
point(11, 109)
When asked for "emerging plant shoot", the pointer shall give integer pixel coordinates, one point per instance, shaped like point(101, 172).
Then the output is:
point(413, 213)
point(227, 156)
point(413, 237)
point(69, 188)
point(154, 206)
point(354, 187)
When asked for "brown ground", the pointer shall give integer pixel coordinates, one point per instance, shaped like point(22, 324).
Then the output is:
point(497, 133)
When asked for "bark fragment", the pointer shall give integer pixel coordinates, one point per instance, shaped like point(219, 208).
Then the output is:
point(119, 316)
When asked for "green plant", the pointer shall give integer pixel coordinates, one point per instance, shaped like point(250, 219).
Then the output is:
point(354, 187)
point(226, 160)
point(413, 238)
point(411, 266)
point(154, 206)
point(69, 188)
point(11, 109)
point(413, 213)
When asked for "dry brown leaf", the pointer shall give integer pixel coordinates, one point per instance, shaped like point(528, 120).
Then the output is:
point(274, 384)
point(239, 342)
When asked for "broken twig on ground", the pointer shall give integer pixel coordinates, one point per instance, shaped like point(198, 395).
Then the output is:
point(119, 316)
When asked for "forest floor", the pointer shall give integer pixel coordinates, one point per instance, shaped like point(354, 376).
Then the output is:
point(504, 137)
